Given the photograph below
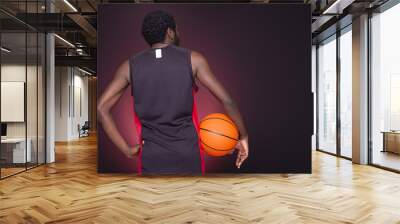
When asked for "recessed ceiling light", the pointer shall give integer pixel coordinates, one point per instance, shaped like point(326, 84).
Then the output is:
point(337, 7)
point(84, 71)
point(70, 5)
point(64, 40)
point(5, 50)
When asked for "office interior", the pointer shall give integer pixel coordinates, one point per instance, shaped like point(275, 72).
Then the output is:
point(334, 74)
point(48, 81)
point(45, 86)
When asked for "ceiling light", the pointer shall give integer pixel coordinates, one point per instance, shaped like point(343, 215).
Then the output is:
point(5, 50)
point(70, 5)
point(332, 8)
point(64, 40)
point(84, 71)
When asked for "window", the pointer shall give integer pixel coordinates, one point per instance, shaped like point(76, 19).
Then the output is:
point(346, 92)
point(334, 106)
point(327, 95)
point(385, 88)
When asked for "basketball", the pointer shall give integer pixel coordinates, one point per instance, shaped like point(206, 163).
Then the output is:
point(218, 134)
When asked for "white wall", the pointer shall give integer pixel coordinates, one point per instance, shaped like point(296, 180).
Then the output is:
point(81, 102)
point(33, 127)
point(61, 103)
point(13, 100)
point(16, 72)
point(71, 94)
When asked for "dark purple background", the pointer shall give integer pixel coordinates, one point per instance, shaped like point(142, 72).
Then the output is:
point(262, 55)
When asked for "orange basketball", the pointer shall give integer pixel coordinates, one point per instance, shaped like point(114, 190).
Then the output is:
point(218, 134)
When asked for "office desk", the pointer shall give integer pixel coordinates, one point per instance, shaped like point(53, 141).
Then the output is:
point(391, 141)
point(13, 150)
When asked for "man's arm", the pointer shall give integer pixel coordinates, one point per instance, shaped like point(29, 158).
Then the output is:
point(107, 100)
point(203, 73)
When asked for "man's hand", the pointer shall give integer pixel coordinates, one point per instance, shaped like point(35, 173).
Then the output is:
point(243, 151)
point(106, 102)
point(203, 73)
point(132, 151)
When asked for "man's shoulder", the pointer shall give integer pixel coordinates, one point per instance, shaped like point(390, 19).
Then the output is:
point(180, 48)
point(197, 57)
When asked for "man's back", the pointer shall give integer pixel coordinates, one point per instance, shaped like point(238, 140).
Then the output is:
point(162, 85)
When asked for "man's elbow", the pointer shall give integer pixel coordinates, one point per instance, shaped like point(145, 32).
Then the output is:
point(100, 111)
point(229, 103)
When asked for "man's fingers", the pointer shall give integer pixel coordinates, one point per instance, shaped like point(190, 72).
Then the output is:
point(238, 159)
point(243, 150)
point(242, 158)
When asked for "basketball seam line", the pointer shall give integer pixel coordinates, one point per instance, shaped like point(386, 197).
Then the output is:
point(217, 133)
point(230, 122)
point(215, 148)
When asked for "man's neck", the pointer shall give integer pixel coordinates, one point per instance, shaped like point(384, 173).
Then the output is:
point(160, 44)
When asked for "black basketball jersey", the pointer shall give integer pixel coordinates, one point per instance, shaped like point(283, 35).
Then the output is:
point(163, 91)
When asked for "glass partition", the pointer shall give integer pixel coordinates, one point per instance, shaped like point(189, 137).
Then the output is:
point(327, 95)
point(22, 88)
point(13, 105)
point(41, 97)
point(31, 99)
point(385, 89)
point(346, 93)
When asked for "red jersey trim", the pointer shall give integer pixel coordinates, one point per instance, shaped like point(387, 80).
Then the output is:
point(138, 125)
point(195, 118)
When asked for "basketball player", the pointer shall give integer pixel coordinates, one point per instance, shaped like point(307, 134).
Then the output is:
point(162, 80)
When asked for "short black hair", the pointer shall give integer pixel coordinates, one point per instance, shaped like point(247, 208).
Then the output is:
point(155, 25)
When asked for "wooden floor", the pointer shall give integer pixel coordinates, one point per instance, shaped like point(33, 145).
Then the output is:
point(387, 159)
point(70, 191)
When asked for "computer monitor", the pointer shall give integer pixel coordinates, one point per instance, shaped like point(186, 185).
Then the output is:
point(3, 129)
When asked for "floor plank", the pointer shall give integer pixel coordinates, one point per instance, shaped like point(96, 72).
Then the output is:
point(71, 191)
